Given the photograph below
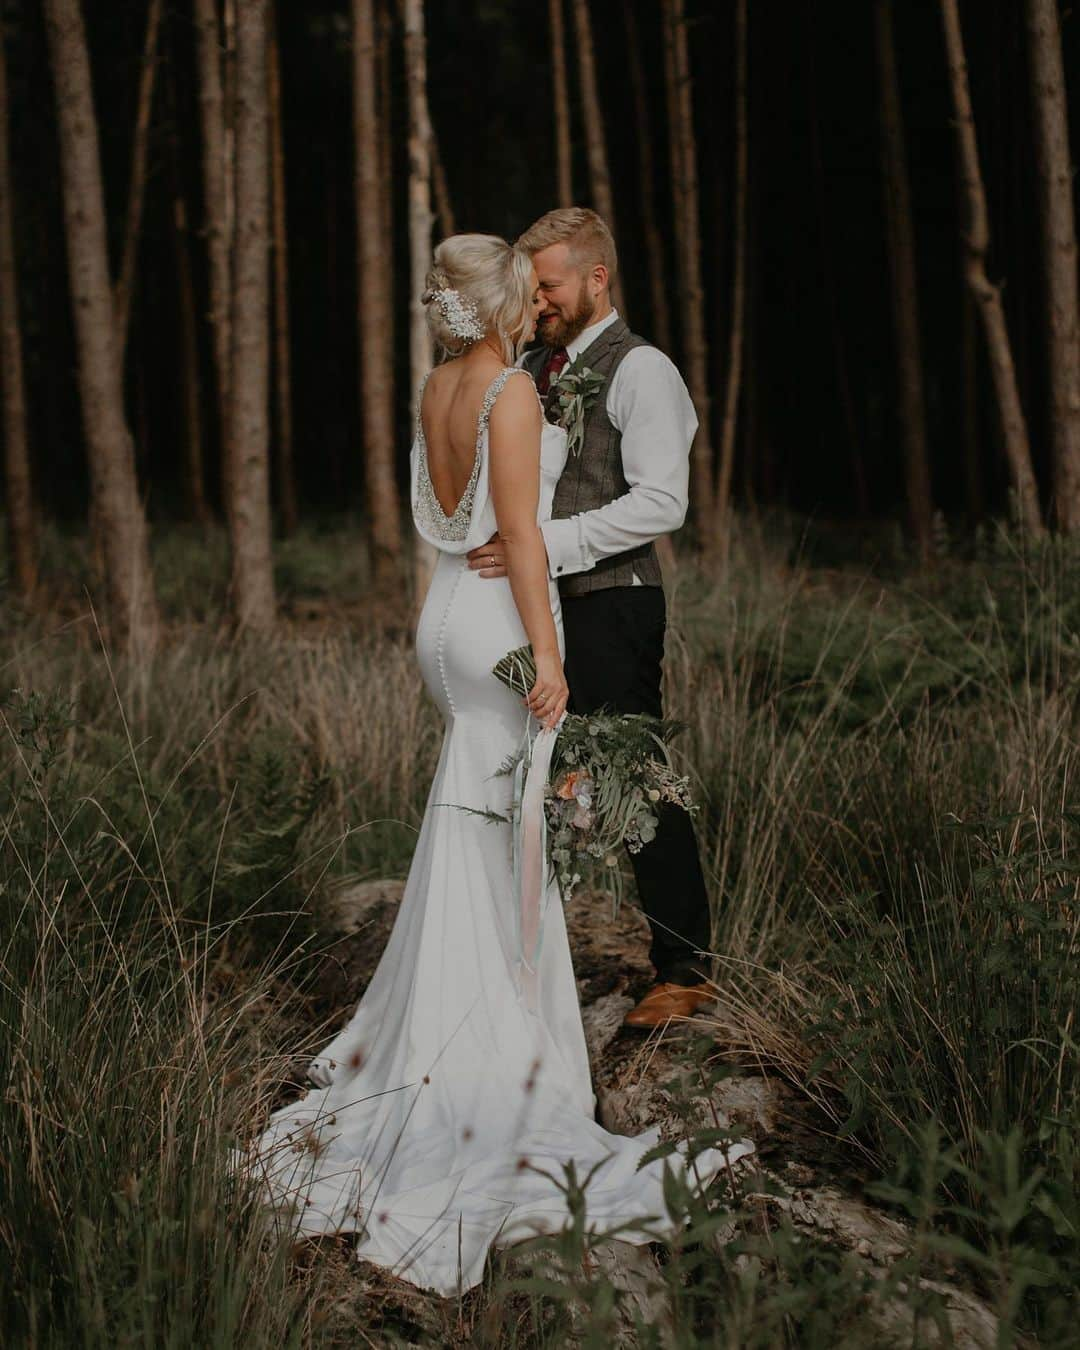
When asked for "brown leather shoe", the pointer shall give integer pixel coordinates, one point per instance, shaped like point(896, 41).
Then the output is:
point(665, 1000)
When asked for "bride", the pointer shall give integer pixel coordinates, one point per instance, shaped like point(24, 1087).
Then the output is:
point(446, 1110)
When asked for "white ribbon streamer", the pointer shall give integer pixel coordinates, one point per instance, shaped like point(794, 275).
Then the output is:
point(530, 856)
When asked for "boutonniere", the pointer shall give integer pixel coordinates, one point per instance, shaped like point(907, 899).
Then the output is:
point(575, 392)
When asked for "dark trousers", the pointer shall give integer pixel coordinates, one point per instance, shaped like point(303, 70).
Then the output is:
point(614, 653)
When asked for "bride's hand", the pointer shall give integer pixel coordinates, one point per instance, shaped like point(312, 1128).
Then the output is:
point(547, 698)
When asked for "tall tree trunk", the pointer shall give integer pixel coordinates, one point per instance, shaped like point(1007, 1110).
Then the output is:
point(125, 281)
point(338, 438)
point(374, 252)
point(730, 423)
point(117, 508)
point(1059, 253)
point(751, 401)
point(653, 242)
point(18, 487)
point(194, 465)
point(658, 293)
point(987, 296)
point(843, 379)
point(592, 116)
point(688, 261)
point(229, 111)
point(249, 472)
point(283, 460)
point(901, 240)
point(560, 93)
point(969, 401)
point(444, 211)
point(140, 390)
point(216, 172)
point(385, 125)
point(420, 222)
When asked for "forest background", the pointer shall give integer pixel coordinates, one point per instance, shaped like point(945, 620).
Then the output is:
point(792, 203)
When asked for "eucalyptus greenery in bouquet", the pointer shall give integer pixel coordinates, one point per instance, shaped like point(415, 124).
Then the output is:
point(609, 775)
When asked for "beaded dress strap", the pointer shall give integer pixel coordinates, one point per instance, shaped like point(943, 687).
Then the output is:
point(494, 389)
point(420, 401)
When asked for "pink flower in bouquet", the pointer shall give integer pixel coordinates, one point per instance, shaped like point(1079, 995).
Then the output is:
point(576, 786)
point(565, 790)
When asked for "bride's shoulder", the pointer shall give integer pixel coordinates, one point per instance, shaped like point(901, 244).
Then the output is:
point(508, 399)
point(439, 387)
point(437, 377)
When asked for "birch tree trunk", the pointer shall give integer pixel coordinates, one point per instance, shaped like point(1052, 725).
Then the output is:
point(1059, 253)
point(560, 92)
point(688, 260)
point(729, 425)
point(375, 259)
point(592, 116)
point(125, 281)
point(420, 222)
point(653, 243)
point(283, 459)
point(986, 295)
point(249, 469)
point(901, 240)
point(18, 486)
point(116, 507)
point(216, 170)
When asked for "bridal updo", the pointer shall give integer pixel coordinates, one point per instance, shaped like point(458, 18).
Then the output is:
point(479, 284)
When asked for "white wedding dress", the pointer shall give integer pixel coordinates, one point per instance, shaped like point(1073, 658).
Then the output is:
point(454, 1096)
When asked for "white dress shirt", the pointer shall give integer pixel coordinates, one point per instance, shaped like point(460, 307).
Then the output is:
point(649, 404)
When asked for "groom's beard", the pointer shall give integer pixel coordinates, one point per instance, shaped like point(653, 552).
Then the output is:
point(560, 332)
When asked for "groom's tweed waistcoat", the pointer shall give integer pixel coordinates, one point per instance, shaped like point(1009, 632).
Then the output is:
point(594, 476)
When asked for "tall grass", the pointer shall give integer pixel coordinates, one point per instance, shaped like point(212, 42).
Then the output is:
point(131, 1055)
point(886, 764)
point(894, 835)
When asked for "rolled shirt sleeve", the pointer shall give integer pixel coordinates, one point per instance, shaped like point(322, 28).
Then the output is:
point(649, 404)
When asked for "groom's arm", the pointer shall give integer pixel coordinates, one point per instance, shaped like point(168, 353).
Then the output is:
point(648, 402)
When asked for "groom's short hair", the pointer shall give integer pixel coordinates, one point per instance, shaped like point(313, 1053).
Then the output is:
point(581, 230)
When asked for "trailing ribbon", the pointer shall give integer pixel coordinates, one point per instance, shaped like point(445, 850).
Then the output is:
point(529, 834)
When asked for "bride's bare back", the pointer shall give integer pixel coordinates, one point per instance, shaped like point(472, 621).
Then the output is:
point(449, 413)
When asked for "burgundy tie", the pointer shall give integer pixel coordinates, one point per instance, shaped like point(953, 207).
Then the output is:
point(551, 369)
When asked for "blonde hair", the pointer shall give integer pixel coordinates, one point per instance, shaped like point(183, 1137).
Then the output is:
point(581, 230)
point(492, 277)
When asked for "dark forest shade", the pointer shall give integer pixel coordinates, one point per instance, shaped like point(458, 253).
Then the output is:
point(818, 426)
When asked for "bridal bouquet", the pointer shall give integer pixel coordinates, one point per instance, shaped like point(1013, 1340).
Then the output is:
point(608, 775)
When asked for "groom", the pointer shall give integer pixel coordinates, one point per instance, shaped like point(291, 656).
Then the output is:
point(625, 487)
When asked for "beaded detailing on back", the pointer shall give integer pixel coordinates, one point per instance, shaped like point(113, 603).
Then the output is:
point(454, 527)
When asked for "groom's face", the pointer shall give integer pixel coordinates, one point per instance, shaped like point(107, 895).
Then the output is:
point(569, 295)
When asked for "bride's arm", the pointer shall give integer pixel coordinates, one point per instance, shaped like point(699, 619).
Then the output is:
point(514, 475)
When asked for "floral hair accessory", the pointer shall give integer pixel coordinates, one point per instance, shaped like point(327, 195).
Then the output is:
point(460, 314)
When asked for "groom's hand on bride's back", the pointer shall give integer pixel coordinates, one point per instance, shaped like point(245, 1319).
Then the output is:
point(488, 559)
